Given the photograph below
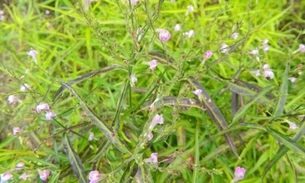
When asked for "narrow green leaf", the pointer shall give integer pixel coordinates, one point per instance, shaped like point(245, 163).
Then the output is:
point(112, 137)
point(129, 172)
point(85, 77)
point(243, 110)
point(283, 93)
point(214, 113)
point(74, 160)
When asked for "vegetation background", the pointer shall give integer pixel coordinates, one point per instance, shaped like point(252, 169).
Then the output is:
point(85, 60)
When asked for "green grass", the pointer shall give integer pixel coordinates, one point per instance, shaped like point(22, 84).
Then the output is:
point(84, 63)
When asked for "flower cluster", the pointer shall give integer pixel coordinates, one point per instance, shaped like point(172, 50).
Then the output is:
point(45, 107)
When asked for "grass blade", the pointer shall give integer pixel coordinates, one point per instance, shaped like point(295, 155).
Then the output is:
point(242, 111)
point(113, 138)
point(214, 113)
point(283, 93)
point(74, 160)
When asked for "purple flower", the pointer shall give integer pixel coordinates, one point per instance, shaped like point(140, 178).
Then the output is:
point(42, 107)
point(164, 35)
point(6, 176)
point(189, 34)
point(158, 119)
point(87, 2)
point(25, 176)
point(177, 27)
point(150, 136)
point(224, 48)
point(292, 126)
point(208, 54)
point(292, 79)
point(13, 99)
point(254, 52)
point(133, 2)
point(300, 49)
point(172, 1)
point(239, 174)
point(19, 166)
point(268, 72)
point(50, 115)
point(95, 176)
point(190, 9)
point(153, 158)
point(44, 174)
point(25, 87)
point(153, 64)
point(133, 80)
point(197, 92)
point(16, 130)
point(33, 53)
point(235, 35)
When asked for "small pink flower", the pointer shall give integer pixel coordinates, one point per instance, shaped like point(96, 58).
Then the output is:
point(133, 2)
point(164, 35)
point(153, 64)
point(197, 92)
point(158, 119)
point(42, 107)
point(254, 52)
point(189, 34)
point(239, 174)
point(190, 9)
point(292, 79)
point(265, 48)
point(25, 87)
point(153, 158)
point(256, 72)
point(133, 80)
point(235, 35)
point(91, 136)
point(44, 174)
point(208, 54)
point(87, 3)
point(1, 15)
point(150, 136)
point(300, 49)
point(16, 131)
point(292, 126)
point(19, 166)
point(95, 176)
point(224, 48)
point(13, 99)
point(172, 1)
point(177, 27)
point(6, 176)
point(50, 115)
point(25, 176)
point(268, 72)
point(33, 53)
point(265, 41)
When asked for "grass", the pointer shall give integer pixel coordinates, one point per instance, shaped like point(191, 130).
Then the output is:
point(84, 63)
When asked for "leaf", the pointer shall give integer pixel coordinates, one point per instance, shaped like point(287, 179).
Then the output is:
point(214, 113)
point(85, 77)
point(74, 160)
point(113, 138)
point(243, 110)
point(130, 172)
point(283, 93)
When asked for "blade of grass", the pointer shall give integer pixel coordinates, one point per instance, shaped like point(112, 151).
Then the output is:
point(113, 138)
point(214, 113)
point(74, 160)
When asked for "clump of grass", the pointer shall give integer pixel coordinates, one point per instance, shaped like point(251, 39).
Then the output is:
point(151, 91)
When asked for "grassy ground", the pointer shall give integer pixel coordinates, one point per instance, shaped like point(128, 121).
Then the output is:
point(218, 112)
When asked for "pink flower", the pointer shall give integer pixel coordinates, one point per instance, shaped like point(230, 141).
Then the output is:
point(292, 126)
point(33, 53)
point(25, 87)
point(239, 174)
point(87, 3)
point(95, 176)
point(208, 54)
point(292, 79)
point(150, 136)
point(172, 1)
point(42, 107)
point(19, 166)
point(268, 72)
point(177, 27)
point(190, 9)
point(300, 49)
point(50, 115)
point(133, 2)
point(256, 72)
point(254, 52)
point(25, 176)
point(6, 176)
point(153, 158)
point(153, 64)
point(235, 35)
point(1, 15)
point(16, 130)
point(158, 119)
point(13, 99)
point(164, 35)
point(197, 92)
point(265, 46)
point(133, 80)
point(44, 174)
point(189, 34)
point(91, 136)
point(224, 48)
